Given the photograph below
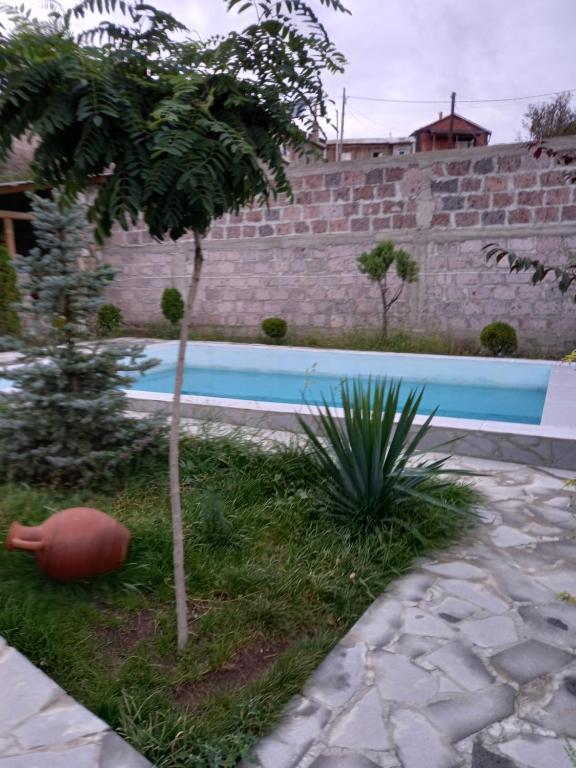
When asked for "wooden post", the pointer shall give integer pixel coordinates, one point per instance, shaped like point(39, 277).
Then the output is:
point(452, 109)
point(341, 142)
point(9, 238)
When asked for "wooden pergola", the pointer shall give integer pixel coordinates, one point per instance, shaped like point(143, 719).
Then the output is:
point(8, 218)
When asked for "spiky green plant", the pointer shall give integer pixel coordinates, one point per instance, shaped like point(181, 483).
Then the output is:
point(370, 463)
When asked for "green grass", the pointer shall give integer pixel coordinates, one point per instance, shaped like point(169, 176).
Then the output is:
point(266, 570)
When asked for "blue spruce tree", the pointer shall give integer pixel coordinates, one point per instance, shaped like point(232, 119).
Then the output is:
point(65, 422)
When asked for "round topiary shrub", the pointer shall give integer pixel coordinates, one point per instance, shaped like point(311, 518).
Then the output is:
point(109, 318)
point(499, 339)
point(274, 327)
point(172, 305)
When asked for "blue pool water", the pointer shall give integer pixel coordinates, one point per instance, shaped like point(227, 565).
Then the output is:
point(469, 400)
point(462, 387)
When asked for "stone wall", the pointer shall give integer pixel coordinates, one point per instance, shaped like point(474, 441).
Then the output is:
point(298, 260)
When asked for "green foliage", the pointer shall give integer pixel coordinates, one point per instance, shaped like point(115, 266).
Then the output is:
point(109, 318)
point(172, 305)
point(193, 128)
point(274, 327)
point(66, 420)
point(376, 264)
point(373, 476)
point(284, 598)
point(216, 529)
point(552, 118)
point(9, 295)
point(570, 357)
point(499, 338)
point(564, 274)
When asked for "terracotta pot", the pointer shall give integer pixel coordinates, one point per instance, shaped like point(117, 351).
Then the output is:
point(74, 543)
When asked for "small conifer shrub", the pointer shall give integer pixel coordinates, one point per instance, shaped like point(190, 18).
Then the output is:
point(9, 295)
point(109, 318)
point(172, 305)
point(499, 339)
point(274, 327)
point(65, 422)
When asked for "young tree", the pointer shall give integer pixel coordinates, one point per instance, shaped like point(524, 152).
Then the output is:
point(377, 263)
point(192, 129)
point(67, 423)
point(553, 118)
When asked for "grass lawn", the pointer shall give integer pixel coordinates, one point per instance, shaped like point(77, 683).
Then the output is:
point(272, 585)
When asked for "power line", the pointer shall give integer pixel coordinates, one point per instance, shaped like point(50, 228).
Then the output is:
point(461, 101)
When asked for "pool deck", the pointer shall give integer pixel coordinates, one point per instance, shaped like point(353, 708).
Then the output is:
point(42, 727)
point(468, 661)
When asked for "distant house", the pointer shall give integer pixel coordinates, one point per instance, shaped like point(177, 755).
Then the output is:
point(367, 149)
point(450, 132)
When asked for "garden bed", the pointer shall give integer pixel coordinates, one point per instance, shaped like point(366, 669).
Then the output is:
point(355, 339)
point(273, 583)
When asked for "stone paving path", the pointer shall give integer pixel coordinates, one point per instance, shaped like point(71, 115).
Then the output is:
point(42, 727)
point(467, 661)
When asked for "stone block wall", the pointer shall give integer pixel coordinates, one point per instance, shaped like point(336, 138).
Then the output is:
point(298, 259)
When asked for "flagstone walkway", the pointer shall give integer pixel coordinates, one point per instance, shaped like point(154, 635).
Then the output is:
point(468, 661)
point(42, 727)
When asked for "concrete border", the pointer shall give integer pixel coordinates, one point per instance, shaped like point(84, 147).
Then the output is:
point(551, 443)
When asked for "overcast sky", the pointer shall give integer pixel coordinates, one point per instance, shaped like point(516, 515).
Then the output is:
point(422, 50)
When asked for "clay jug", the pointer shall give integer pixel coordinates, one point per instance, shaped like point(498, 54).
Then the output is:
point(74, 543)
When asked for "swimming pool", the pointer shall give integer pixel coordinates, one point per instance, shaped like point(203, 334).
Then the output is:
point(466, 388)
point(508, 410)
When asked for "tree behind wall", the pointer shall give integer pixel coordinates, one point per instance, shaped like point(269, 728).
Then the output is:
point(66, 422)
point(554, 118)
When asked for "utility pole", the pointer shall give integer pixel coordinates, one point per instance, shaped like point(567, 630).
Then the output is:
point(452, 110)
point(341, 137)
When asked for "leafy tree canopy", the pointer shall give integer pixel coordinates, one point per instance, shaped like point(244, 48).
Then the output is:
point(179, 130)
point(377, 262)
point(554, 118)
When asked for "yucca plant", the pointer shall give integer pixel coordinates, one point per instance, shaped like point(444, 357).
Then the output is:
point(370, 464)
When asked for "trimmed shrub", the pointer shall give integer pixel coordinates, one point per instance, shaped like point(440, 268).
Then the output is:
point(109, 318)
point(499, 339)
point(274, 327)
point(172, 305)
point(9, 295)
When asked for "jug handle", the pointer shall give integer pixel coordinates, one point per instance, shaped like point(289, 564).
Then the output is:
point(32, 546)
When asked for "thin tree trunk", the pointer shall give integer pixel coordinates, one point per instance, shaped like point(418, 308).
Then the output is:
point(174, 453)
point(383, 291)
